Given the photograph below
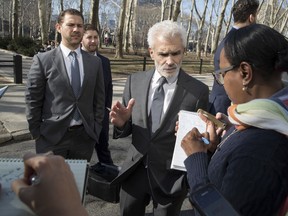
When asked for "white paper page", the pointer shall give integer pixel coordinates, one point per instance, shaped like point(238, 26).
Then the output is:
point(187, 120)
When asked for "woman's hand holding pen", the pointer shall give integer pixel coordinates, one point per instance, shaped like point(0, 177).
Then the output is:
point(55, 192)
point(194, 141)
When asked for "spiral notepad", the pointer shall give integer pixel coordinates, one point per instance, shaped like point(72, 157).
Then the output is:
point(11, 169)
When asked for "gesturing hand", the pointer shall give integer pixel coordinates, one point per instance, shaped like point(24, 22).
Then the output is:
point(120, 114)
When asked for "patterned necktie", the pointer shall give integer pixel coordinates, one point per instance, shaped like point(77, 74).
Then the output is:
point(157, 105)
point(75, 79)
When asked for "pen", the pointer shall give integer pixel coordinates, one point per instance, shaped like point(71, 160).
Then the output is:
point(206, 141)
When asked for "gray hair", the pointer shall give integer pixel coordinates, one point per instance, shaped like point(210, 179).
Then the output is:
point(166, 29)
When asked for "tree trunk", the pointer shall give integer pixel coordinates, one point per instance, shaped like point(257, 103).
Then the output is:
point(128, 25)
point(190, 23)
point(119, 42)
point(94, 16)
point(81, 6)
point(2, 18)
point(176, 10)
point(49, 12)
point(170, 12)
point(219, 26)
point(15, 4)
point(133, 26)
point(229, 21)
point(163, 9)
point(200, 31)
point(284, 23)
point(57, 41)
point(43, 21)
point(209, 29)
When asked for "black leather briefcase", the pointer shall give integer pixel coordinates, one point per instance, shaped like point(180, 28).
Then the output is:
point(99, 183)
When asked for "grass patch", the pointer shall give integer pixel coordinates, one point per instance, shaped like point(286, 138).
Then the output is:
point(133, 63)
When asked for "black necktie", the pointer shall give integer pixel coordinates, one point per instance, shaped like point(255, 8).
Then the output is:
point(157, 105)
point(75, 79)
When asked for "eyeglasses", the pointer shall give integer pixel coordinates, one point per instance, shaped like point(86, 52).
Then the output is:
point(219, 74)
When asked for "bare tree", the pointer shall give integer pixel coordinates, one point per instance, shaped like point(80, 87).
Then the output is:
point(15, 4)
point(229, 19)
point(128, 24)
point(190, 21)
point(94, 16)
point(119, 44)
point(133, 26)
point(209, 29)
point(176, 10)
point(219, 25)
point(2, 5)
point(163, 9)
point(200, 29)
point(56, 32)
point(170, 11)
point(81, 6)
point(42, 8)
point(284, 24)
point(49, 13)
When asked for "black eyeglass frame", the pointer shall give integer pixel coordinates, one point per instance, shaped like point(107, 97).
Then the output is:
point(219, 74)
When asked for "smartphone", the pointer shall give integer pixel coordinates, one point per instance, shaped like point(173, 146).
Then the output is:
point(218, 123)
point(210, 202)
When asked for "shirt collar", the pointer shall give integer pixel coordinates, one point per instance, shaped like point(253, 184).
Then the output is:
point(66, 51)
point(170, 80)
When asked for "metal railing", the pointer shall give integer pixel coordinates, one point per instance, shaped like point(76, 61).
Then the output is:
point(145, 62)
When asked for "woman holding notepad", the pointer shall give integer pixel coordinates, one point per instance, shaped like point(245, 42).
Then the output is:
point(250, 162)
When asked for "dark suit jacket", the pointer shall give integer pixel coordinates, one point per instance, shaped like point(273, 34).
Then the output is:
point(107, 80)
point(50, 99)
point(218, 99)
point(190, 94)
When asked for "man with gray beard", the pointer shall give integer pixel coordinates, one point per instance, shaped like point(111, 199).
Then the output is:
point(151, 102)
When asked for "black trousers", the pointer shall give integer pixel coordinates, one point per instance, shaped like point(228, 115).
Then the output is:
point(136, 194)
point(101, 147)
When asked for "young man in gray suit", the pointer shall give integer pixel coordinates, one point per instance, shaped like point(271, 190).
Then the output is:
point(146, 173)
point(65, 94)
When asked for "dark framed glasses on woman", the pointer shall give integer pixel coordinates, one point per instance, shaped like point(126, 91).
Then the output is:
point(219, 74)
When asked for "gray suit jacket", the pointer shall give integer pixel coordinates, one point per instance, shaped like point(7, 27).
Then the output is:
point(50, 99)
point(190, 94)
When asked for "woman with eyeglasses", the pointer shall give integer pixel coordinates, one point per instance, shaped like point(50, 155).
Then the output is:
point(249, 163)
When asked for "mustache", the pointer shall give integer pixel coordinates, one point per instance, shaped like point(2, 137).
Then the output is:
point(169, 67)
point(76, 34)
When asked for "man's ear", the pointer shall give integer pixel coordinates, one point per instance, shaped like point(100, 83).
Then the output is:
point(151, 52)
point(252, 19)
point(246, 72)
point(57, 27)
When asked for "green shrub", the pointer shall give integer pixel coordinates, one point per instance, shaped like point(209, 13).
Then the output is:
point(23, 45)
point(4, 41)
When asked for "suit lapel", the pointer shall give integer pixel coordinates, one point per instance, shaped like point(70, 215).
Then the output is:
point(57, 58)
point(144, 100)
point(86, 67)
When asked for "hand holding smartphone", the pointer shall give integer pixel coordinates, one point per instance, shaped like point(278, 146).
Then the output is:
point(218, 123)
